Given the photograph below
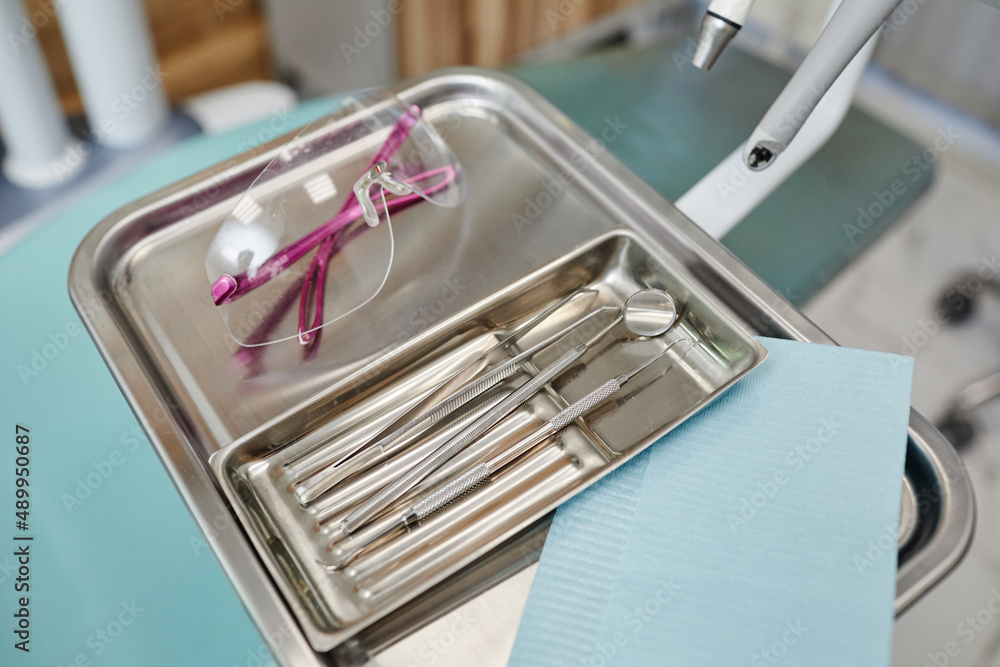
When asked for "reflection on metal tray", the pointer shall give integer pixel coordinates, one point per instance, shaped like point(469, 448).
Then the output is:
point(539, 188)
point(295, 539)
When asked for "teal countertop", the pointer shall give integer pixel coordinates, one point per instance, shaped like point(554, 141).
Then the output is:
point(120, 575)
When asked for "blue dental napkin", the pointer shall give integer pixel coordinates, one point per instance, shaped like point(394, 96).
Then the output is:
point(760, 532)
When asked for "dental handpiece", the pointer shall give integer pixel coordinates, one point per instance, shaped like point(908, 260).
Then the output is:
point(844, 35)
point(722, 21)
point(482, 471)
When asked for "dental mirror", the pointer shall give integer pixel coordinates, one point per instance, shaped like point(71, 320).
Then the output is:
point(649, 312)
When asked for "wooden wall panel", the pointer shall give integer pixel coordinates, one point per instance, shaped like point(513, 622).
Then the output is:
point(442, 33)
point(200, 44)
point(204, 44)
point(430, 35)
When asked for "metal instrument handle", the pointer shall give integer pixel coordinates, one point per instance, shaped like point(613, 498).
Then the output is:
point(453, 489)
point(401, 485)
point(585, 404)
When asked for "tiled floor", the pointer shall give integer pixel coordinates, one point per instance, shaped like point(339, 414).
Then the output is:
point(886, 301)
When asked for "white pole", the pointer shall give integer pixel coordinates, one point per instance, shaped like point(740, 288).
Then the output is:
point(40, 150)
point(115, 67)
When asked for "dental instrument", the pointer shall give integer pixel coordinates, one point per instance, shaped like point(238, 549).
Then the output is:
point(483, 471)
point(639, 311)
point(431, 407)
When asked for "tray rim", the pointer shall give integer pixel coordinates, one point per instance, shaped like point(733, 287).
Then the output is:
point(706, 260)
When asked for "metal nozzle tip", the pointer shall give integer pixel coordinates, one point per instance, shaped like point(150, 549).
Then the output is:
point(715, 35)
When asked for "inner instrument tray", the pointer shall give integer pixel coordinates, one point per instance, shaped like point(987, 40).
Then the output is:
point(711, 352)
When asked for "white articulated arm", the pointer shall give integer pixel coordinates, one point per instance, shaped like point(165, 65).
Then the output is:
point(727, 194)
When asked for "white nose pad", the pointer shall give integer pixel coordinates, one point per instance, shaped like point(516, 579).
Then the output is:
point(378, 174)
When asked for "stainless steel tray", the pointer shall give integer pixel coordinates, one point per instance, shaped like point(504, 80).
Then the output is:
point(139, 284)
point(294, 539)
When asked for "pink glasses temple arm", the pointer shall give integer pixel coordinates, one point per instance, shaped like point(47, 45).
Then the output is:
point(243, 283)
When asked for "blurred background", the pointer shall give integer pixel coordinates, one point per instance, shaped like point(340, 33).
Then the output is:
point(947, 49)
point(920, 277)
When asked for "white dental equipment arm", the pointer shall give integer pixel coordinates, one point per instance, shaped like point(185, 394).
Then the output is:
point(851, 26)
point(728, 193)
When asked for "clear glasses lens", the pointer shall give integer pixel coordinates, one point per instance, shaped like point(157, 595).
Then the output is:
point(298, 251)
